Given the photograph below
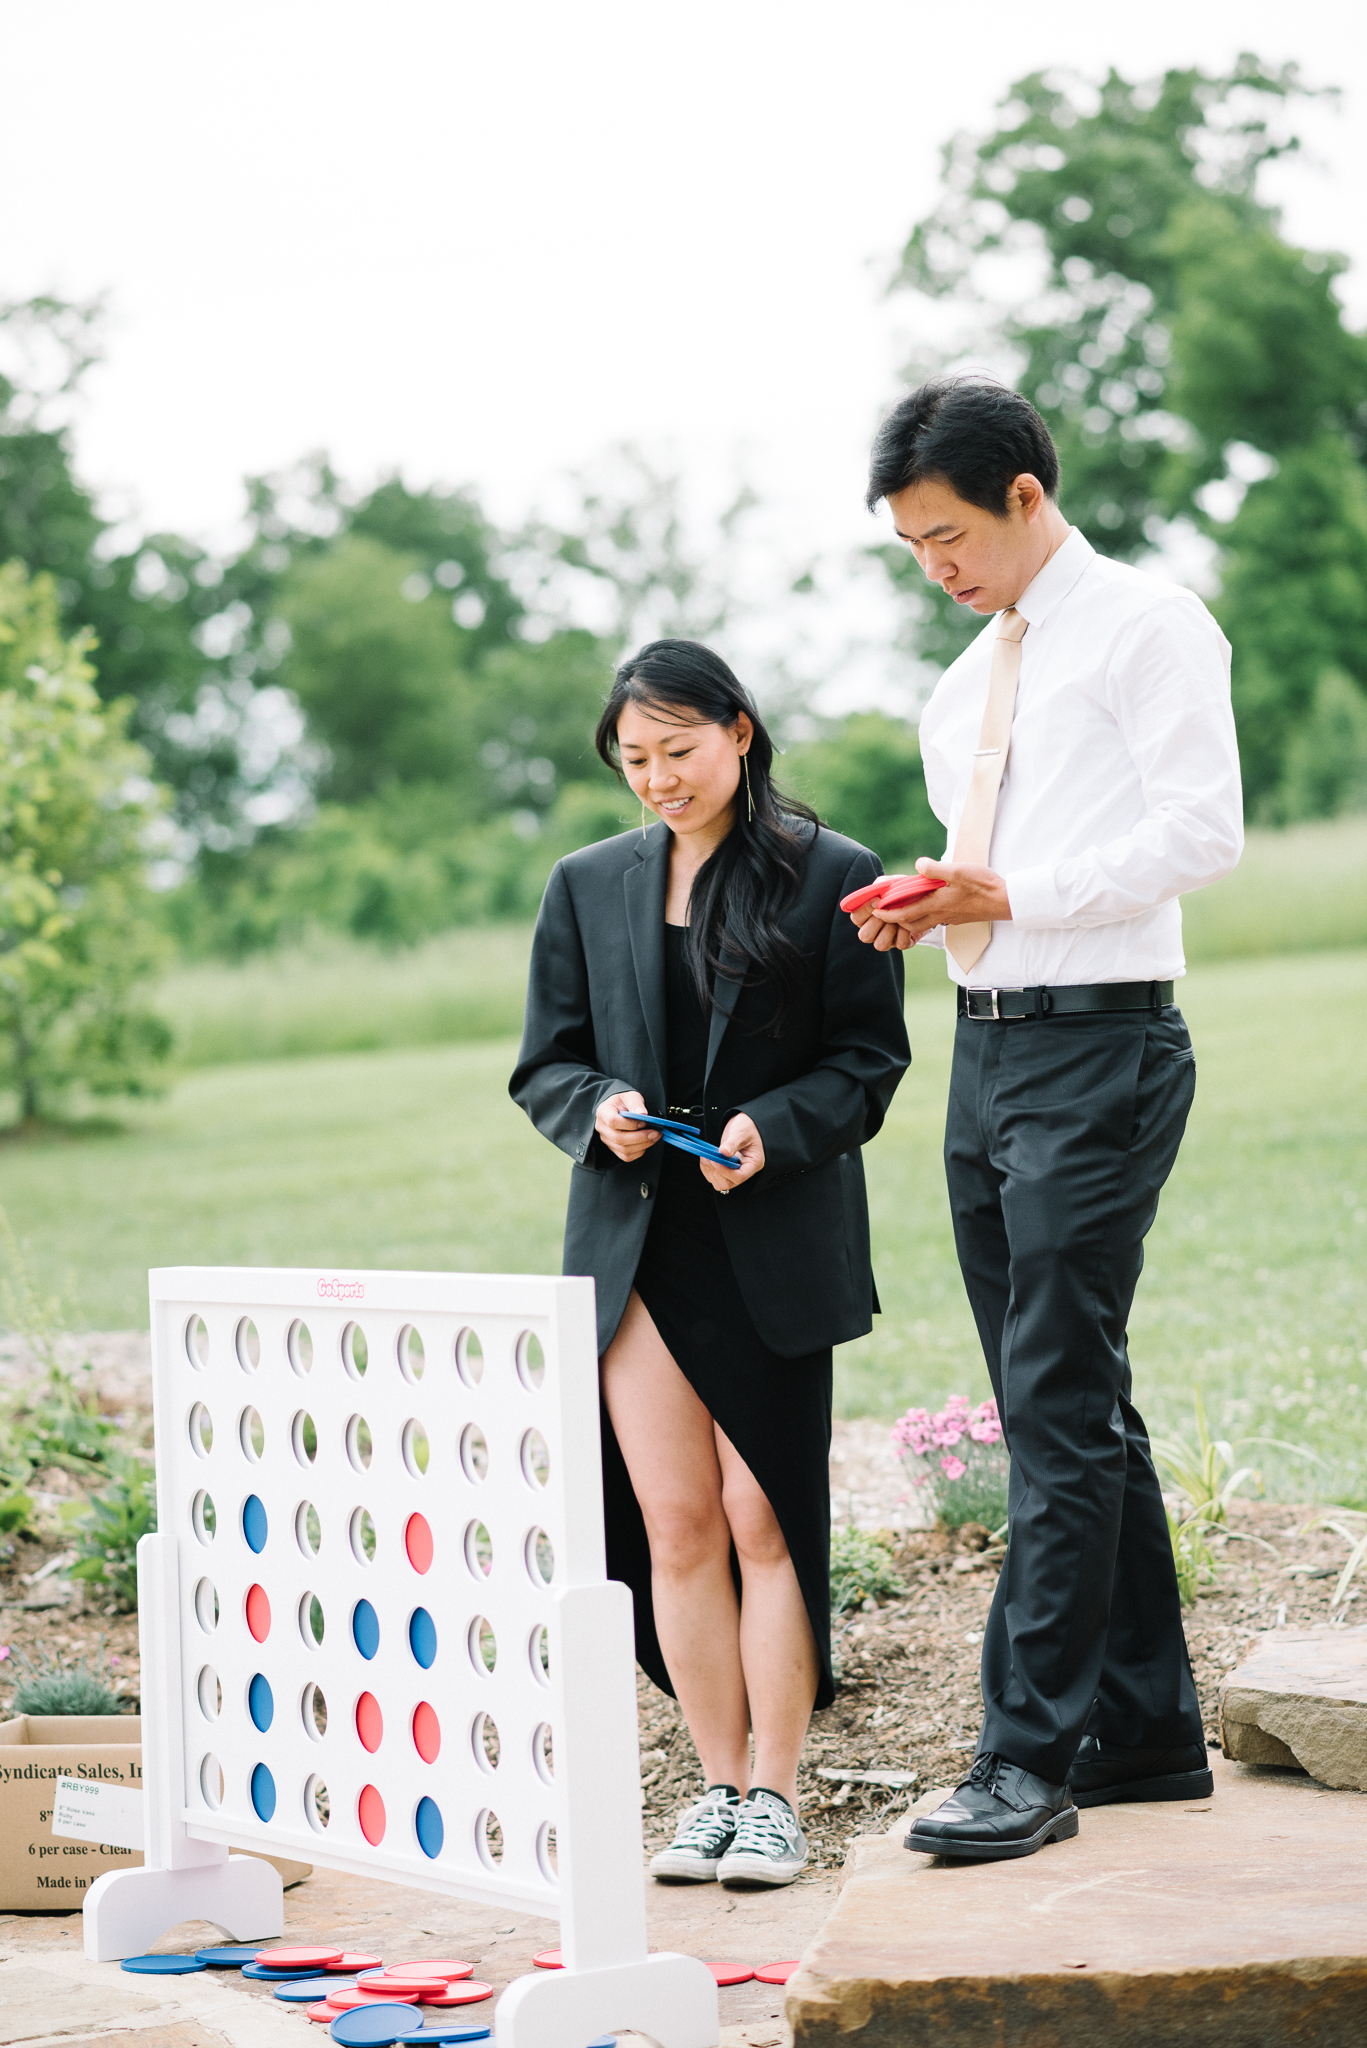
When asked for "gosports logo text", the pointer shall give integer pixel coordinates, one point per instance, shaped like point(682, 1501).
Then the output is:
point(341, 1290)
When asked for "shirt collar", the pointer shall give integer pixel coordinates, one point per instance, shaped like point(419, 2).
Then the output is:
point(1055, 579)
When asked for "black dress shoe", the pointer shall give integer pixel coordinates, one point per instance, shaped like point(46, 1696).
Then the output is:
point(1104, 1774)
point(999, 1811)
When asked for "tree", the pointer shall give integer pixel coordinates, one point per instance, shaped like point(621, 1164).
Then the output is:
point(78, 929)
point(866, 779)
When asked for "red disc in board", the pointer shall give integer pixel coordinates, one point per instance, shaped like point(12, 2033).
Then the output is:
point(427, 1734)
point(370, 1813)
point(446, 1970)
point(259, 1622)
point(775, 1973)
point(550, 1959)
point(468, 1993)
point(350, 1962)
point(370, 1725)
point(417, 1538)
point(731, 1973)
point(297, 1958)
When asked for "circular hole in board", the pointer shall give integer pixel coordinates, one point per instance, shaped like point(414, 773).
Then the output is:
point(426, 1732)
point(308, 1530)
point(263, 1793)
point(484, 1742)
point(469, 1358)
point(299, 1348)
point(412, 1355)
point(536, 1458)
point(422, 1637)
point(369, 1722)
point(211, 1782)
point(417, 1541)
point(359, 1445)
point(313, 1710)
point(251, 1434)
point(531, 1361)
point(311, 1623)
point(370, 1814)
point(427, 1826)
point(362, 1533)
point(197, 1342)
point(206, 1606)
point(545, 1852)
point(355, 1351)
point(483, 1646)
point(317, 1805)
point(258, 1610)
point(479, 1550)
point(255, 1525)
point(540, 1558)
point(209, 1693)
point(365, 1629)
point(489, 1839)
point(261, 1703)
point(247, 1344)
point(543, 1753)
point(474, 1453)
point(201, 1430)
point(539, 1655)
point(203, 1517)
point(415, 1447)
point(304, 1438)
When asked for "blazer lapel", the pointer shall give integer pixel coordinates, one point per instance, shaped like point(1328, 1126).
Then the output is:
point(725, 990)
point(644, 888)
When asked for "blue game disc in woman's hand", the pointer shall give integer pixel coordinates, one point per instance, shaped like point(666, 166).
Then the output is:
point(162, 1966)
point(372, 2026)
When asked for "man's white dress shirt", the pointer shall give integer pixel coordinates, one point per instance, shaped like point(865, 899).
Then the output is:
point(1122, 782)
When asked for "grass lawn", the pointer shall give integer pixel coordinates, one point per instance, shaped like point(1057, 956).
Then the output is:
point(1256, 1287)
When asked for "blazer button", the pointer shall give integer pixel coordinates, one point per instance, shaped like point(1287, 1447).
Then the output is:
point(645, 1191)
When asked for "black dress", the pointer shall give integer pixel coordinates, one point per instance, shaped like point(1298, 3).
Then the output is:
point(776, 1411)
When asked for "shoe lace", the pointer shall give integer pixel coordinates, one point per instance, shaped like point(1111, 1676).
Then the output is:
point(762, 1830)
point(985, 1770)
point(706, 1827)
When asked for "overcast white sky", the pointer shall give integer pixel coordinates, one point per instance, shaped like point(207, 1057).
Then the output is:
point(481, 242)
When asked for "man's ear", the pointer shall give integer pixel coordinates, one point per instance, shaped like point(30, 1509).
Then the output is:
point(1031, 495)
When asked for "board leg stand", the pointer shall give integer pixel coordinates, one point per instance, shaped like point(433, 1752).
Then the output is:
point(125, 1911)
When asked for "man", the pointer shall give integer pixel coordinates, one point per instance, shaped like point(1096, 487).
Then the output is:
point(1081, 754)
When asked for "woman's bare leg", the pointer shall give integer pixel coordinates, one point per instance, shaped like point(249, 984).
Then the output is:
point(667, 1440)
point(777, 1649)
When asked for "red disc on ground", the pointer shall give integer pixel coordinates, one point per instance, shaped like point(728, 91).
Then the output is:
point(730, 1973)
point(550, 1959)
point(775, 1973)
point(351, 1962)
point(347, 2001)
point(426, 1732)
point(370, 1813)
point(468, 1993)
point(417, 1539)
point(296, 1958)
point(259, 1622)
point(446, 1970)
point(324, 2014)
point(380, 1980)
point(370, 1725)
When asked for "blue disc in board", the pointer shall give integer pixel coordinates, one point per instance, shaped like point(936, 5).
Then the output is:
point(427, 1822)
point(365, 1628)
point(277, 1976)
point(263, 1793)
point(305, 1990)
point(261, 1703)
point(420, 2035)
point(372, 2026)
point(254, 1524)
point(422, 1638)
point(162, 1966)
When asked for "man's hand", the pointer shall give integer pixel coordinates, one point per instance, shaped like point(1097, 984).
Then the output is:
point(970, 896)
point(739, 1139)
point(625, 1139)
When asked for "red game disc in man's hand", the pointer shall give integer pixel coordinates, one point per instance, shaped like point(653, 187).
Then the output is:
point(860, 897)
point(909, 891)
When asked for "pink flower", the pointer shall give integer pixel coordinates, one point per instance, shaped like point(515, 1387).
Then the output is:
point(953, 1468)
point(4, 1652)
point(985, 1432)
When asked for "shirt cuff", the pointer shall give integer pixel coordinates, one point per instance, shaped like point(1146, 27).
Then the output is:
point(1034, 898)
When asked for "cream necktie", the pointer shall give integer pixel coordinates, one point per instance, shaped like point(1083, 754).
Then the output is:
point(973, 842)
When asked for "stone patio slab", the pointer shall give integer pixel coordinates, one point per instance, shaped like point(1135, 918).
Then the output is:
point(1239, 1921)
point(1300, 1698)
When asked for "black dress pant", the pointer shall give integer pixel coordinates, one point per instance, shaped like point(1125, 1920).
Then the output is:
point(1060, 1135)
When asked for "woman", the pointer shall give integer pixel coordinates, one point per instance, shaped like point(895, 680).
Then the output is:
point(704, 972)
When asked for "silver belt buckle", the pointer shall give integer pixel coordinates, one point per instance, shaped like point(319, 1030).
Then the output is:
point(980, 1017)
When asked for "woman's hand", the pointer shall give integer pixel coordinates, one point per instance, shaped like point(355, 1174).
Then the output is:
point(624, 1138)
point(739, 1138)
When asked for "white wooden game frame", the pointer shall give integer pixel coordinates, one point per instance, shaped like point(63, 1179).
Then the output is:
point(318, 1435)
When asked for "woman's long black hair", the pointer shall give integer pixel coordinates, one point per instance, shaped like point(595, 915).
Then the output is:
point(741, 891)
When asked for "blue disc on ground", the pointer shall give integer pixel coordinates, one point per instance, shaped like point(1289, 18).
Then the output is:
point(420, 2035)
point(263, 1793)
point(365, 1628)
point(427, 1821)
point(372, 2026)
point(277, 1976)
point(254, 1524)
point(228, 1958)
point(261, 1704)
point(162, 1966)
point(305, 1990)
point(422, 1638)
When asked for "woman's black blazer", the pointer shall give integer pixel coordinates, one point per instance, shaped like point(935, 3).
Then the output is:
point(798, 1232)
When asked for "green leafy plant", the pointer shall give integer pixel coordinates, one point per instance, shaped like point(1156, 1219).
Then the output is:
point(109, 1526)
point(861, 1569)
point(52, 1687)
point(1351, 1525)
point(1191, 1554)
point(1207, 1471)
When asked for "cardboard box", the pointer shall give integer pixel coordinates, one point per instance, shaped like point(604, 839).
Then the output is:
point(39, 1871)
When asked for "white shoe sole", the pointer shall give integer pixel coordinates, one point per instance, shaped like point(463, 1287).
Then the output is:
point(684, 1869)
point(765, 1870)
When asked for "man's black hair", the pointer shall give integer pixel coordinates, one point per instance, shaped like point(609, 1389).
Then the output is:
point(974, 435)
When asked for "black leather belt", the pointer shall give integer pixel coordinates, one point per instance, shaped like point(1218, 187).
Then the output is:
point(1013, 1005)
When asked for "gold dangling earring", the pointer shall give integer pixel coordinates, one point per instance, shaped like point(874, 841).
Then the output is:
point(749, 799)
point(643, 817)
